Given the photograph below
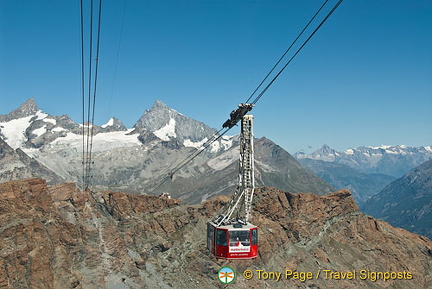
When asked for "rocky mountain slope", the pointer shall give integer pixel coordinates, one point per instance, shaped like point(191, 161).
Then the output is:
point(136, 160)
point(15, 164)
point(61, 237)
point(406, 202)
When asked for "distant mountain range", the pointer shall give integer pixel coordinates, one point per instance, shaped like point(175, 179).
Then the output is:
point(365, 171)
point(393, 161)
point(136, 160)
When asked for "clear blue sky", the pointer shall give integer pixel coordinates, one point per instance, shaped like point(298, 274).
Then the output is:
point(364, 79)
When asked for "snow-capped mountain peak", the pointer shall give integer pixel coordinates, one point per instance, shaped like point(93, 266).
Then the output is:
point(113, 124)
point(28, 108)
point(385, 159)
point(19, 126)
point(166, 124)
point(109, 123)
point(324, 153)
point(157, 117)
point(28, 127)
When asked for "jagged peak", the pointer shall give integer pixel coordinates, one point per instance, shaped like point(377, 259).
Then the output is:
point(325, 146)
point(160, 103)
point(28, 108)
point(324, 150)
point(30, 105)
point(167, 123)
point(109, 123)
point(114, 124)
point(159, 106)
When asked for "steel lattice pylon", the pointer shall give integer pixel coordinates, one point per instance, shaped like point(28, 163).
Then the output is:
point(236, 209)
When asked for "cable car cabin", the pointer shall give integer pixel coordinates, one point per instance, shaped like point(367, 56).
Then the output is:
point(233, 241)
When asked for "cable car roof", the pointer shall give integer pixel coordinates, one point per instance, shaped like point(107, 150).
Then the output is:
point(235, 226)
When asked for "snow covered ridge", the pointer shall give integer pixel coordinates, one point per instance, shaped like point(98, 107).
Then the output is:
point(101, 142)
point(14, 131)
point(224, 143)
point(109, 123)
point(325, 153)
point(197, 145)
point(30, 128)
point(167, 131)
point(388, 160)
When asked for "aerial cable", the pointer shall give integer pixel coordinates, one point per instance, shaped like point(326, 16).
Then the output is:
point(298, 50)
point(117, 57)
point(95, 78)
point(82, 90)
point(286, 51)
point(88, 87)
point(88, 157)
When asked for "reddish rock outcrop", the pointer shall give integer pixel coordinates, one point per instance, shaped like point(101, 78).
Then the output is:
point(61, 237)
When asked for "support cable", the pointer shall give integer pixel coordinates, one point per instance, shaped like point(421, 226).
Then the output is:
point(298, 50)
point(88, 157)
point(82, 92)
point(88, 113)
point(95, 83)
point(286, 51)
point(117, 57)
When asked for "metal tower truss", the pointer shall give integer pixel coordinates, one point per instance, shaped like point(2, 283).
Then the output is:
point(239, 208)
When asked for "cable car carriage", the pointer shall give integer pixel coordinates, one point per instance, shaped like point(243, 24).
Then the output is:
point(233, 241)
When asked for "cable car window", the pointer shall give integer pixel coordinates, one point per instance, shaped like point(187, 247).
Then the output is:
point(254, 236)
point(239, 236)
point(221, 238)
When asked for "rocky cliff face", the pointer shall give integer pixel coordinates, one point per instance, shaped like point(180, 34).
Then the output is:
point(61, 237)
point(15, 164)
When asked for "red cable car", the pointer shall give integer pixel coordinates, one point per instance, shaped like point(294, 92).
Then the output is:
point(233, 241)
